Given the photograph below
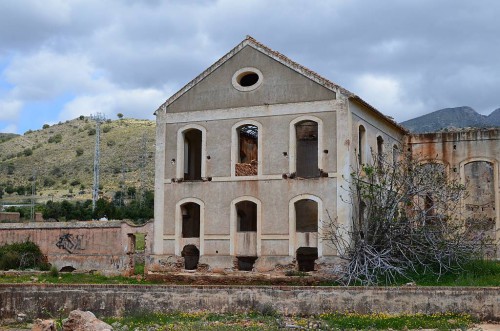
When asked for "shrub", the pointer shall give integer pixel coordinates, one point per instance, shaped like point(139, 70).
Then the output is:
point(10, 169)
point(106, 129)
point(81, 117)
point(55, 139)
point(9, 189)
point(120, 115)
point(22, 255)
point(45, 126)
point(79, 151)
point(75, 182)
point(110, 143)
point(91, 132)
point(53, 272)
point(28, 152)
point(48, 182)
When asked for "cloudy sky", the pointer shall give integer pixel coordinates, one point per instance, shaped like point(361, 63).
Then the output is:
point(62, 59)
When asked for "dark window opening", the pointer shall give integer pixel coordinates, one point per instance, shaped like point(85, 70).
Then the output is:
point(429, 206)
point(248, 79)
point(306, 257)
point(246, 263)
point(248, 150)
point(361, 144)
point(190, 220)
point(380, 150)
point(306, 134)
point(191, 256)
point(192, 154)
point(395, 154)
point(306, 215)
point(246, 212)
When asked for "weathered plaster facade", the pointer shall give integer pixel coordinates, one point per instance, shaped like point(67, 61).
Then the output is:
point(303, 121)
point(472, 156)
point(107, 246)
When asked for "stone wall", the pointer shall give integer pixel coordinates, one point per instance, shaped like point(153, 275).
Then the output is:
point(121, 300)
point(10, 216)
point(106, 246)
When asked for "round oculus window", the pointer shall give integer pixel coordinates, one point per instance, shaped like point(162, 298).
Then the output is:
point(247, 79)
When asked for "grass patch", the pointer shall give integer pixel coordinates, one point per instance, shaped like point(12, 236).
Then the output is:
point(73, 278)
point(139, 269)
point(257, 321)
point(476, 273)
point(140, 241)
point(195, 321)
point(380, 321)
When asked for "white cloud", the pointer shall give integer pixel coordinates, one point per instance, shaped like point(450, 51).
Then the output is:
point(10, 109)
point(386, 94)
point(46, 75)
point(137, 103)
point(11, 128)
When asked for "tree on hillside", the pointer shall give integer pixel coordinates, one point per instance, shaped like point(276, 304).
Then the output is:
point(120, 115)
point(405, 221)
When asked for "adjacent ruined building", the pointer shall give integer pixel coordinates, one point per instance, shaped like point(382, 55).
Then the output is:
point(251, 156)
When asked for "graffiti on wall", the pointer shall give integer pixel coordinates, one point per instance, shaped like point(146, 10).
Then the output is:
point(70, 243)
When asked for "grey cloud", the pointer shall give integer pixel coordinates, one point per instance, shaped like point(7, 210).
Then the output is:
point(440, 53)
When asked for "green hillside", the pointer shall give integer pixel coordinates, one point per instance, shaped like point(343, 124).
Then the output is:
point(62, 157)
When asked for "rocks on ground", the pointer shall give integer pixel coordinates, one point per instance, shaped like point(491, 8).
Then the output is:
point(84, 321)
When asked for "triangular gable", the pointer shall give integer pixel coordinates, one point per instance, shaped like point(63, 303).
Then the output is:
point(284, 60)
point(249, 41)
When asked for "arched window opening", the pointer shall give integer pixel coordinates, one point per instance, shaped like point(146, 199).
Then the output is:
point(395, 154)
point(248, 150)
point(191, 255)
point(306, 215)
point(361, 145)
point(306, 256)
point(192, 154)
point(190, 220)
point(380, 150)
point(246, 212)
point(429, 208)
point(306, 134)
point(481, 197)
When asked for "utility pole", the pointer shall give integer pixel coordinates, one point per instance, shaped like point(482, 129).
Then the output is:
point(33, 193)
point(98, 118)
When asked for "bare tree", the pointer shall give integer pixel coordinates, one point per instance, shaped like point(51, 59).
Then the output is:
point(406, 220)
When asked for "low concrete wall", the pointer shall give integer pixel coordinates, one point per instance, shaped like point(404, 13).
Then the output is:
point(120, 300)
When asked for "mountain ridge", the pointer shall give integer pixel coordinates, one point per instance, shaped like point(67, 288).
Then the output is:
point(452, 119)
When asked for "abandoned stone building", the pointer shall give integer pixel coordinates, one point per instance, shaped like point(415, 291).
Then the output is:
point(251, 156)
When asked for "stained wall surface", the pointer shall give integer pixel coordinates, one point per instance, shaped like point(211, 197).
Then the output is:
point(107, 246)
point(46, 300)
point(471, 156)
